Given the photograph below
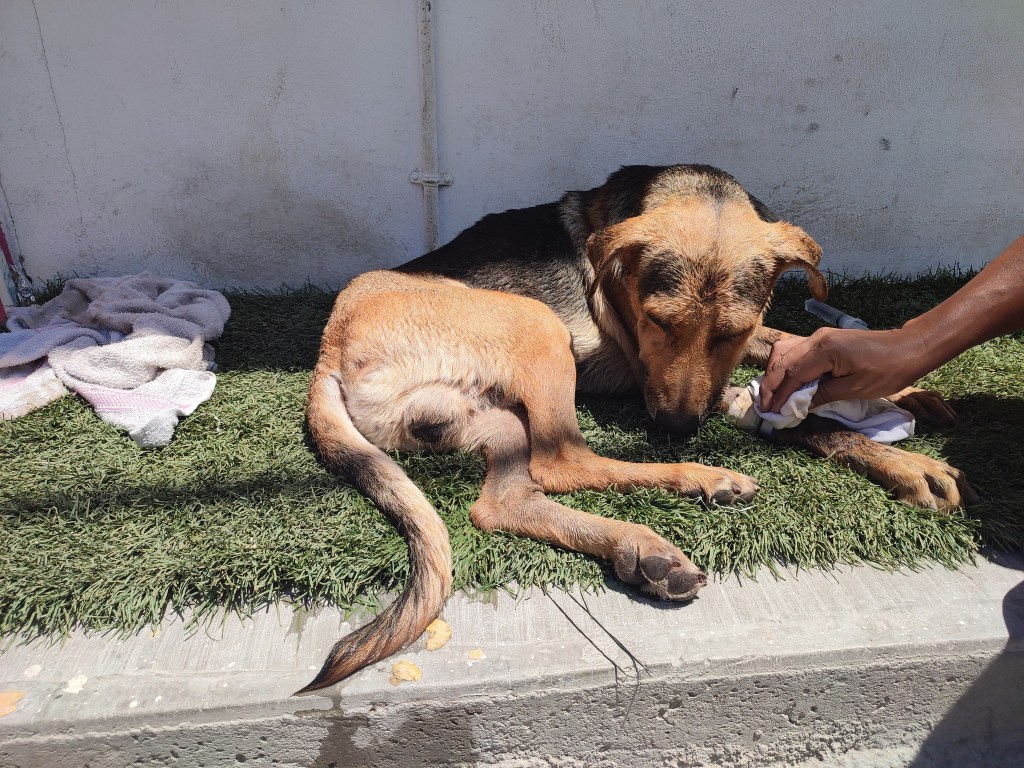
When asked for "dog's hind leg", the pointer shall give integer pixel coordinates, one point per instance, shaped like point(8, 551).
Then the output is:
point(561, 461)
point(512, 501)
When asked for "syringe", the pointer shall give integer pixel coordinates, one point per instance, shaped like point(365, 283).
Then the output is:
point(834, 316)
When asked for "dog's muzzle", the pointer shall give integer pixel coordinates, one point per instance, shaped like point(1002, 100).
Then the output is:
point(677, 422)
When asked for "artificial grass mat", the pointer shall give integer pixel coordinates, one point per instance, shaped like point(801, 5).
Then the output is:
point(236, 512)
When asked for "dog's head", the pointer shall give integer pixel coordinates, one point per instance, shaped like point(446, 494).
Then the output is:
point(691, 280)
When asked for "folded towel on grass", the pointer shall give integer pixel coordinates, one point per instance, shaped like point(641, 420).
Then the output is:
point(23, 388)
point(134, 347)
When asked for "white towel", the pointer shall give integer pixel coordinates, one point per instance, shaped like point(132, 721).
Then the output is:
point(23, 388)
point(878, 419)
point(27, 381)
point(134, 347)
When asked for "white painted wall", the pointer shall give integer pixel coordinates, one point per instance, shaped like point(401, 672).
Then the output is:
point(256, 143)
point(235, 142)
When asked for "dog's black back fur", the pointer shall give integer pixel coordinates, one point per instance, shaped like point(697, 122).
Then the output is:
point(526, 251)
point(533, 251)
point(540, 252)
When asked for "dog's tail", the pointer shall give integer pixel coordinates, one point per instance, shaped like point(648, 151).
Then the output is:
point(349, 454)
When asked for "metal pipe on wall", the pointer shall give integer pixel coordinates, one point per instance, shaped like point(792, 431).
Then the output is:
point(428, 176)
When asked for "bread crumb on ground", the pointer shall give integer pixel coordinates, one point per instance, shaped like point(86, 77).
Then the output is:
point(439, 632)
point(405, 671)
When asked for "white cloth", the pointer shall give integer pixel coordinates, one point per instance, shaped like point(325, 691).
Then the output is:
point(24, 388)
point(879, 419)
point(134, 347)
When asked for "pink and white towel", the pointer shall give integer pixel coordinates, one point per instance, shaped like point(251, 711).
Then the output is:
point(134, 347)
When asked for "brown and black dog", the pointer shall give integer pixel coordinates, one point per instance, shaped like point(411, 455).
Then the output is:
point(655, 281)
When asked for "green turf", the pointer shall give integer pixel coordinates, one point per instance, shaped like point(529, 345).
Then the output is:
point(236, 511)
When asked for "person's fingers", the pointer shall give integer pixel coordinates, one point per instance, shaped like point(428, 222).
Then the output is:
point(840, 388)
point(830, 390)
point(793, 364)
point(799, 371)
point(775, 369)
point(824, 393)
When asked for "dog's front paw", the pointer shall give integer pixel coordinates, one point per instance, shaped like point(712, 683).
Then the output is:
point(715, 484)
point(737, 406)
point(922, 481)
point(927, 407)
point(658, 567)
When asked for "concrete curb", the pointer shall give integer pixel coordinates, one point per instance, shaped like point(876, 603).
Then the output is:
point(851, 665)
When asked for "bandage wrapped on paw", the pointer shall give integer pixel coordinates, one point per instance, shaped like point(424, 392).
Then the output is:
point(879, 419)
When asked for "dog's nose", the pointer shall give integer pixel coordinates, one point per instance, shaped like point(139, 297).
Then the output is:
point(677, 422)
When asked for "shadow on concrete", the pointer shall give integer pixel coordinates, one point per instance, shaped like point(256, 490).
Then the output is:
point(985, 727)
point(427, 737)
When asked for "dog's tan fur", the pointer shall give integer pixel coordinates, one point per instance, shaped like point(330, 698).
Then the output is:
point(674, 299)
point(423, 362)
point(691, 335)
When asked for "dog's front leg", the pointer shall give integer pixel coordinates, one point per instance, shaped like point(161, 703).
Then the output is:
point(912, 477)
point(759, 347)
point(927, 406)
point(512, 501)
point(562, 462)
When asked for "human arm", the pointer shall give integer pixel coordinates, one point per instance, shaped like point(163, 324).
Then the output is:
point(867, 364)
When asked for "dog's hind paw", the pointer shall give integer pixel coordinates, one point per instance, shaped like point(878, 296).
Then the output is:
point(659, 568)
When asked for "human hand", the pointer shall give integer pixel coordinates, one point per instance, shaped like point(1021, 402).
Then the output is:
point(851, 364)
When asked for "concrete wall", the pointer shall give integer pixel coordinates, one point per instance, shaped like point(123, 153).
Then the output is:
point(256, 143)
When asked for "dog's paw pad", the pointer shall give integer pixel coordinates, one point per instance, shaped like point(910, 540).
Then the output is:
point(656, 568)
point(726, 495)
point(682, 585)
point(626, 563)
point(922, 481)
point(678, 584)
point(735, 488)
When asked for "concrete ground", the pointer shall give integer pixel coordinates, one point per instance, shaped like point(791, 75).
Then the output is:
point(853, 667)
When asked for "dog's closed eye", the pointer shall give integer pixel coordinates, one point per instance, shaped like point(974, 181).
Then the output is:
point(730, 335)
point(661, 322)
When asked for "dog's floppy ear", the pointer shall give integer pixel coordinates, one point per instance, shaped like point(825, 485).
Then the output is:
point(794, 248)
point(609, 248)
